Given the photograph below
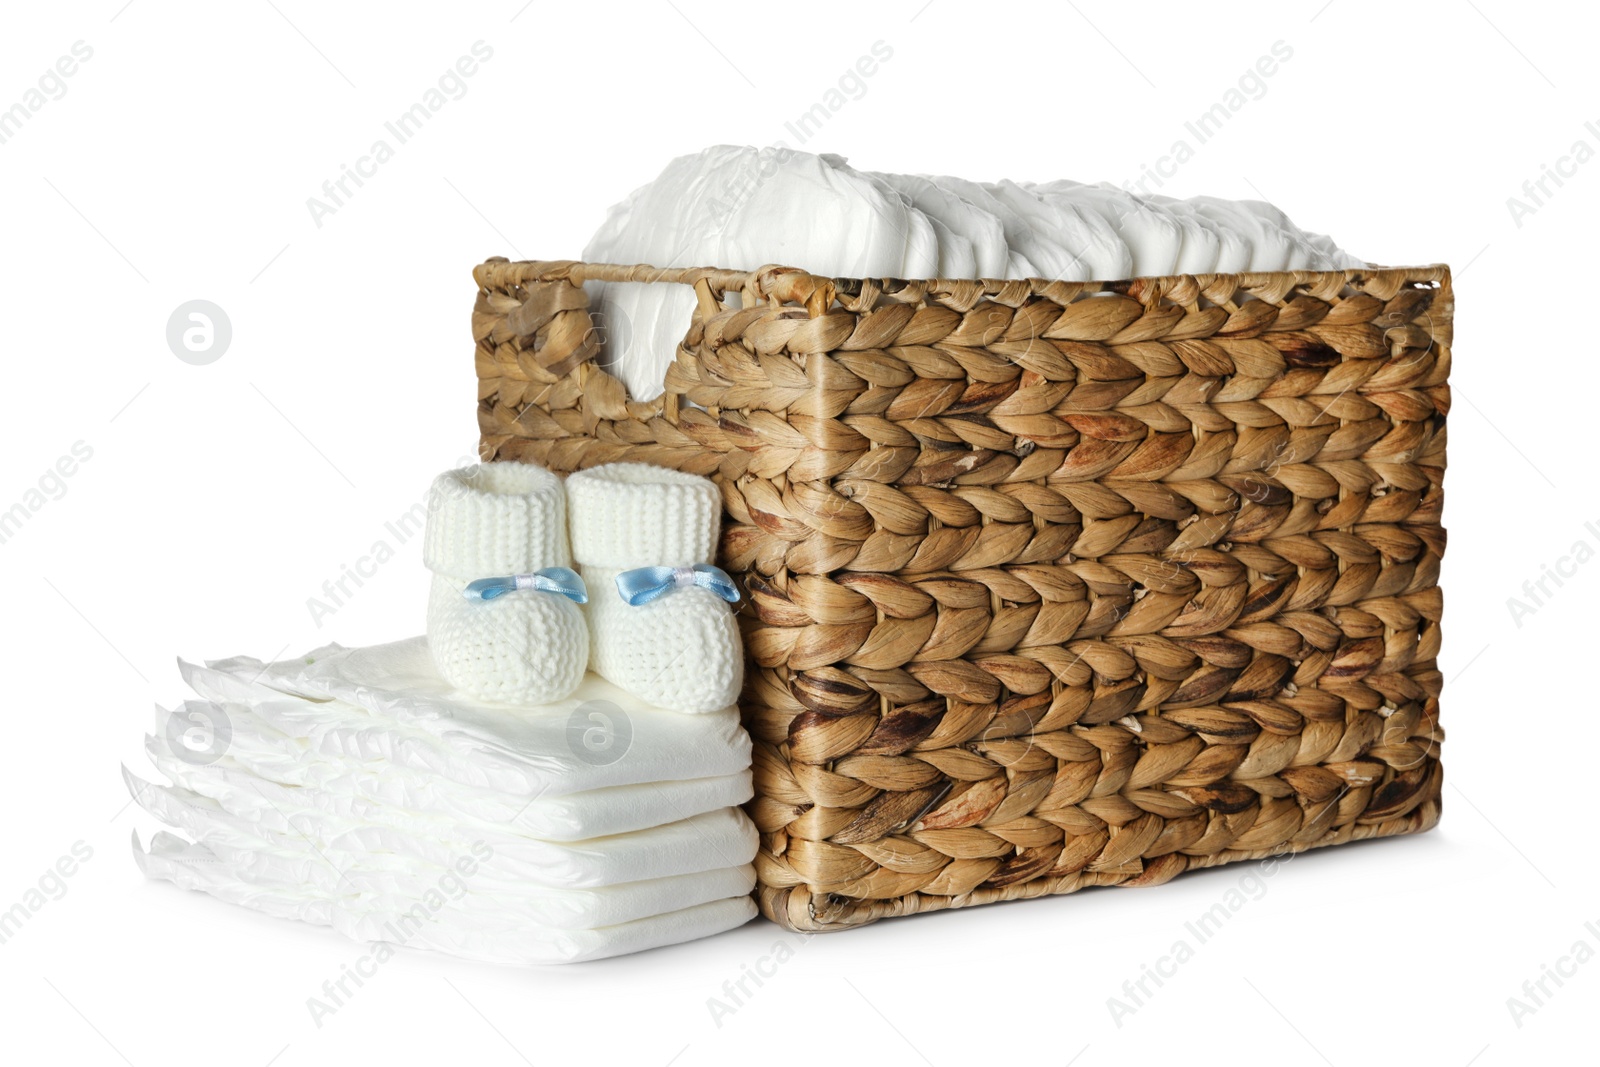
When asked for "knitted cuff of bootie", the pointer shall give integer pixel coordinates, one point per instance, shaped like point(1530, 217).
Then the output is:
point(639, 515)
point(494, 519)
point(678, 647)
point(524, 644)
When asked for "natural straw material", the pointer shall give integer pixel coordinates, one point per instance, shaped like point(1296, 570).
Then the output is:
point(1051, 584)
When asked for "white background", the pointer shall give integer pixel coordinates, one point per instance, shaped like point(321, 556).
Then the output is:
point(219, 498)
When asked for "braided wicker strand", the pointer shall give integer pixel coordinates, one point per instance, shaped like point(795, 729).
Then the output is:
point(1051, 584)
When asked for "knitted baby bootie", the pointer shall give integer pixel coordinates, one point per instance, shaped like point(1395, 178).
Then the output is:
point(644, 538)
point(503, 619)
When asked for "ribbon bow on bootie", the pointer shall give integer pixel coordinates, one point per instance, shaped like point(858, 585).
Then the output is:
point(644, 584)
point(562, 581)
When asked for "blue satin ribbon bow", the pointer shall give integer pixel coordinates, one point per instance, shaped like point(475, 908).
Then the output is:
point(644, 584)
point(562, 581)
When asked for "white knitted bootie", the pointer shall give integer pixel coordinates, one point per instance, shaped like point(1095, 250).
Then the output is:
point(644, 538)
point(503, 623)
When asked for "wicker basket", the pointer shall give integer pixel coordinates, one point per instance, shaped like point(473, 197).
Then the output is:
point(1050, 585)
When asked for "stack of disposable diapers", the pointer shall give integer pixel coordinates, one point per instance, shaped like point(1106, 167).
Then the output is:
point(479, 791)
point(743, 208)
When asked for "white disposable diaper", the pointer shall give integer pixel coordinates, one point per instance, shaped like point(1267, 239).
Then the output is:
point(980, 230)
point(258, 762)
point(387, 702)
point(495, 926)
point(1153, 237)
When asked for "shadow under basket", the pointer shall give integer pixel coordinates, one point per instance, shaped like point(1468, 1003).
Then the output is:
point(1048, 585)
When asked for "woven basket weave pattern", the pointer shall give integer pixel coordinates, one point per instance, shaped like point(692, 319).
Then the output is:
point(1051, 585)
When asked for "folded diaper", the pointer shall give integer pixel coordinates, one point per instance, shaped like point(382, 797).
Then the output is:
point(927, 240)
point(1066, 240)
point(1152, 237)
point(304, 846)
point(1201, 249)
point(388, 702)
point(1026, 247)
point(980, 230)
point(258, 763)
point(445, 914)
